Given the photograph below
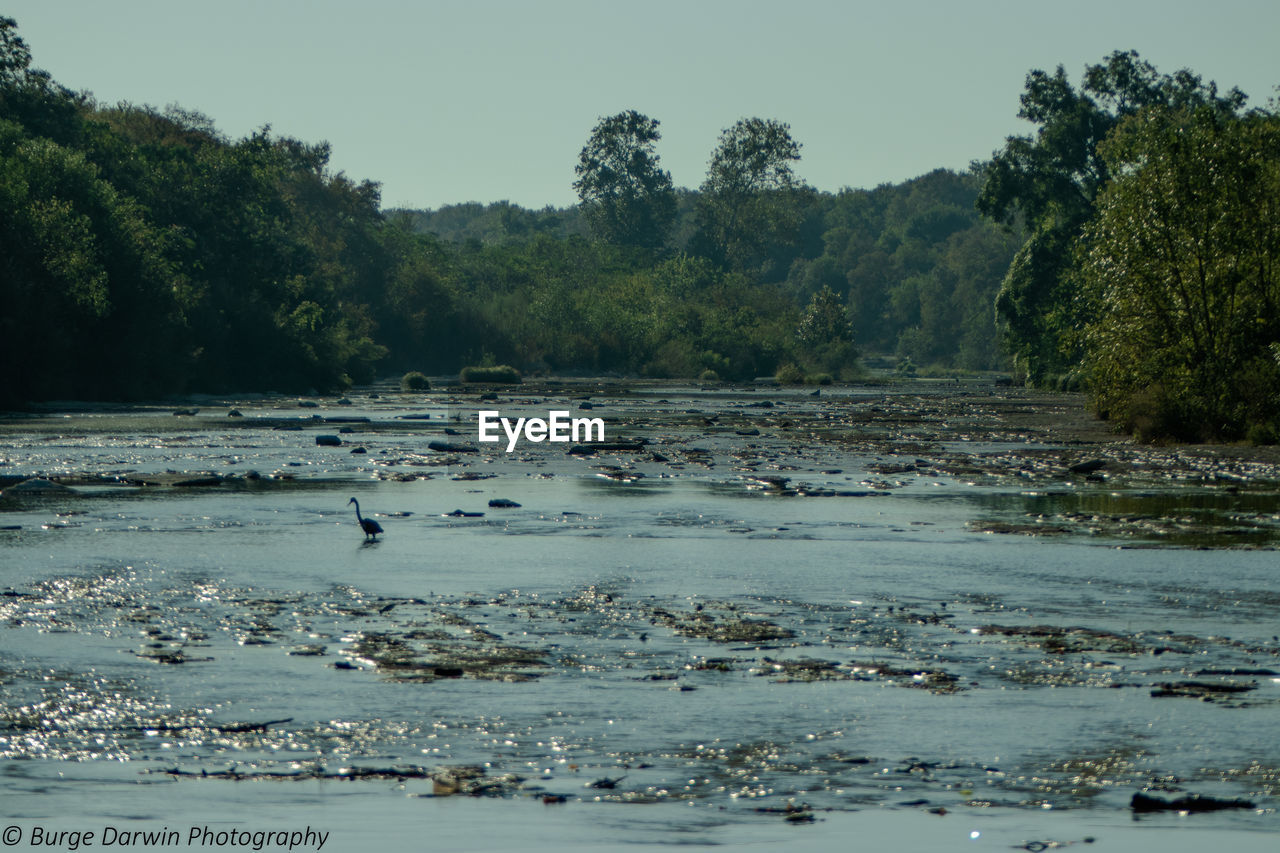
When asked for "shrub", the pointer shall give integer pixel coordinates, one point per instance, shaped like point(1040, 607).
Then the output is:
point(414, 381)
point(709, 375)
point(502, 374)
point(789, 374)
point(1262, 433)
point(818, 379)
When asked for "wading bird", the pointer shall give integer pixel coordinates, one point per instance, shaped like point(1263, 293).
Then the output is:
point(370, 527)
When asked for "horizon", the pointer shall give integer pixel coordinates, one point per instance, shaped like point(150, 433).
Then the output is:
point(517, 101)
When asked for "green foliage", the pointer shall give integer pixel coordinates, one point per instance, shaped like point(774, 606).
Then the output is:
point(496, 224)
point(415, 381)
point(752, 205)
point(824, 334)
point(1263, 433)
point(178, 258)
point(1050, 182)
point(81, 265)
point(1182, 269)
point(789, 374)
point(824, 321)
point(917, 268)
point(501, 374)
point(144, 253)
point(15, 56)
point(626, 197)
point(1037, 290)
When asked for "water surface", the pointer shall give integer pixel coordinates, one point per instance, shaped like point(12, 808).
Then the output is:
point(839, 612)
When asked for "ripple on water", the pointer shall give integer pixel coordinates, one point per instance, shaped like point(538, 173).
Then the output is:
point(742, 621)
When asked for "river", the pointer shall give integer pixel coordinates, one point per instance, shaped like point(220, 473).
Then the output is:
point(763, 618)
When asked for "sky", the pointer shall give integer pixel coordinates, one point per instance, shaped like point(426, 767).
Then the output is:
point(443, 102)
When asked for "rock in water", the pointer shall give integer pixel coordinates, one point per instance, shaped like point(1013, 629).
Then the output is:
point(38, 486)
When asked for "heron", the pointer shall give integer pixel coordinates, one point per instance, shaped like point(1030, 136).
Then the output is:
point(370, 527)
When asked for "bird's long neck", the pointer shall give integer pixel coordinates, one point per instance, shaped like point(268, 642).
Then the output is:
point(358, 518)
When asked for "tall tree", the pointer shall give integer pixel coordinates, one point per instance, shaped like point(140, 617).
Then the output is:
point(1183, 264)
point(15, 56)
point(627, 198)
point(1051, 180)
point(752, 203)
point(30, 97)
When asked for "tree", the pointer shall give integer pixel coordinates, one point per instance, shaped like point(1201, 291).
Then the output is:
point(29, 96)
point(751, 204)
point(15, 56)
point(825, 331)
point(1182, 264)
point(1050, 181)
point(825, 321)
point(627, 198)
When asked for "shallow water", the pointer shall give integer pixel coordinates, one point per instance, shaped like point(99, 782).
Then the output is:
point(682, 629)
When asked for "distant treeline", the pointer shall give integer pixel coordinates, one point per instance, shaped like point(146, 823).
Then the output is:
point(1128, 247)
point(143, 253)
point(909, 270)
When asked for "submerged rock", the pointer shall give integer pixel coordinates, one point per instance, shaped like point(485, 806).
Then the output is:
point(471, 781)
point(199, 481)
point(38, 486)
point(451, 447)
point(1206, 690)
point(607, 447)
point(1088, 466)
point(1193, 803)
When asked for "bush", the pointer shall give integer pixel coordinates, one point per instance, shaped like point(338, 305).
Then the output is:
point(1262, 433)
point(502, 374)
point(1159, 413)
point(818, 379)
point(414, 381)
point(1072, 380)
point(709, 375)
point(789, 374)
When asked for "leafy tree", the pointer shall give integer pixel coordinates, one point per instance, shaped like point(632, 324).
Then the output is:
point(1182, 264)
point(824, 321)
point(826, 333)
point(1050, 181)
point(627, 198)
point(30, 96)
point(142, 252)
point(918, 267)
point(15, 56)
point(80, 265)
point(752, 204)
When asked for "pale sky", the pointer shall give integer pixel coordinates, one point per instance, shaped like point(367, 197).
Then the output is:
point(487, 100)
